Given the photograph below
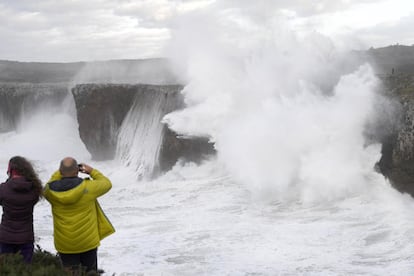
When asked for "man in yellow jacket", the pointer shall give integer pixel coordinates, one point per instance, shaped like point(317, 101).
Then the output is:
point(79, 223)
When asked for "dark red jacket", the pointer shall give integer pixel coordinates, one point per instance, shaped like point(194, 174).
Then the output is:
point(18, 197)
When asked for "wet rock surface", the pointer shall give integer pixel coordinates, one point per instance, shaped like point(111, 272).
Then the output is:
point(102, 108)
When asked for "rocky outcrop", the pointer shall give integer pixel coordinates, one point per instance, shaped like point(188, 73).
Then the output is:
point(18, 99)
point(394, 65)
point(110, 115)
point(100, 112)
point(190, 148)
point(115, 120)
point(393, 59)
point(397, 162)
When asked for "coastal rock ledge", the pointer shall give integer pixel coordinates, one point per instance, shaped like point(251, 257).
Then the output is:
point(104, 109)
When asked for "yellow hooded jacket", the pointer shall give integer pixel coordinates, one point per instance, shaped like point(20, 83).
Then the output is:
point(78, 220)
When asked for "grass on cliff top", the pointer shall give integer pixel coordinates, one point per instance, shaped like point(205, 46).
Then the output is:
point(44, 263)
point(407, 91)
point(401, 84)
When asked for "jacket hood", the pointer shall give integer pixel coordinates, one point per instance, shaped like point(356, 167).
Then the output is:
point(67, 190)
point(20, 184)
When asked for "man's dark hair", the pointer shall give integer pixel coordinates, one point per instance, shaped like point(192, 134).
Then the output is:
point(68, 167)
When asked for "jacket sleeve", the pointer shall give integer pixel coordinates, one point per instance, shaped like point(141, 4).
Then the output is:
point(99, 184)
point(55, 176)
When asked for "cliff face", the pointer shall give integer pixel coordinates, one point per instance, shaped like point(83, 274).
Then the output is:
point(124, 121)
point(100, 112)
point(18, 99)
point(397, 162)
point(191, 149)
point(387, 60)
point(116, 121)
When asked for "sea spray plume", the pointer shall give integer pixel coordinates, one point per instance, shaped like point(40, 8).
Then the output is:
point(40, 121)
point(283, 119)
point(215, 51)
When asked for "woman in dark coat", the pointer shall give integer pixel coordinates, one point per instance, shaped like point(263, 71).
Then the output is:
point(18, 195)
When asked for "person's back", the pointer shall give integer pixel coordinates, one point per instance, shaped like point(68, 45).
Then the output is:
point(73, 201)
point(76, 213)
point(18, 198)
point(18, 195)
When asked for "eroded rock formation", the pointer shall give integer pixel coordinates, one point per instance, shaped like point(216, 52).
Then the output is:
point(397, 162)
point(18, 99)
point(103, 109)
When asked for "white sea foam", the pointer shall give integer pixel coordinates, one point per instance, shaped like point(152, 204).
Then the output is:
point(287, 120)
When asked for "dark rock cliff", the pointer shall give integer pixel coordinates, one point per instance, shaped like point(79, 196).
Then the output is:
point(394, 65)
point(190, 148)
point(102, 110)
point(395, 59)
point(17, 99)
point(397, 162)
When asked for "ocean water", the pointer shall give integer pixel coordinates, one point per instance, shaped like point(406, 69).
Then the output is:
point(198, 220)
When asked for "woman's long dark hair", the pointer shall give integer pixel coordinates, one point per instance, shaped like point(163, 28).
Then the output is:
point(24, 168)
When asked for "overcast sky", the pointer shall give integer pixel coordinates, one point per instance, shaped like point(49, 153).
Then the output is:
point(85, 30)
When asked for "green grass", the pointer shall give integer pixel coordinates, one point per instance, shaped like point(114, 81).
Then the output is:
point(43, 263)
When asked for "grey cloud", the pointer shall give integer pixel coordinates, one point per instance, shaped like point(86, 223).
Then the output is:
point(303, 8)
point(21, 21)
point(82, 48)
point(153, 13)
point(401, 32)
point(62, 7)
point(72, 31)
